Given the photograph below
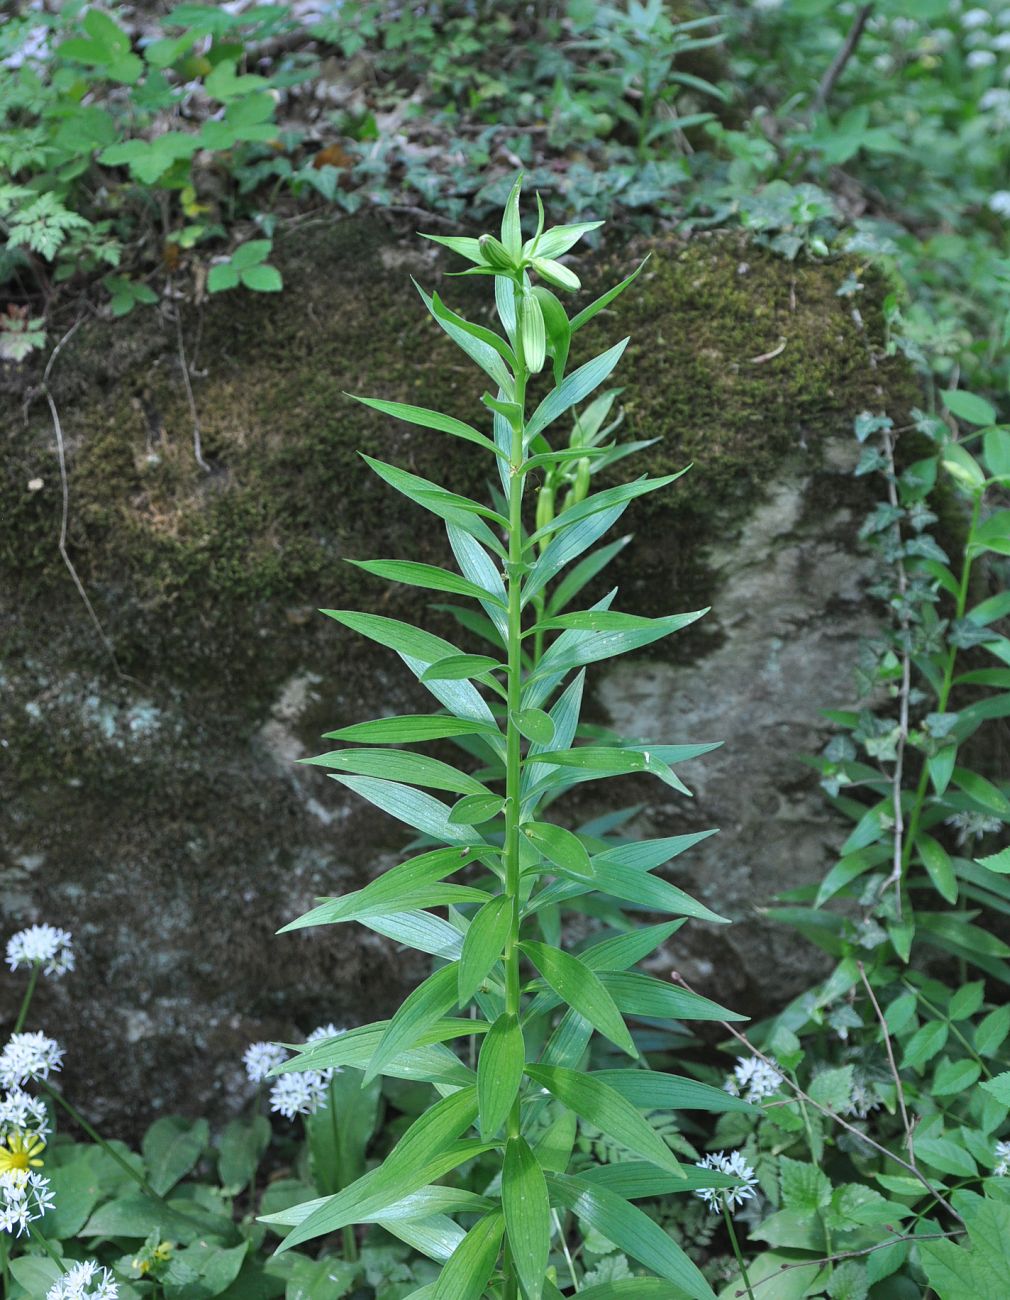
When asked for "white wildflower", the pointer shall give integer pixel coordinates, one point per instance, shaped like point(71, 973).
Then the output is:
point(1002, 1165)
point(85, 1281)
point(999, 202)
point(753, 1079)
point(28, 1056)
point(980, 59)
point(996, 97)
point(862, 1100)
point(974, 825)
point(1001, 42)
point(975, 18)
point(301, 1093)
point(322, 1034)
point(1003, 18)
point(260, 1058)
point(735, 1165)
point(41, 945)
point(21, 1112)
point(24, 1197)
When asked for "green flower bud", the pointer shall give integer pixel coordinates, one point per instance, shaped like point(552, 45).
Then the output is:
point(495, 253)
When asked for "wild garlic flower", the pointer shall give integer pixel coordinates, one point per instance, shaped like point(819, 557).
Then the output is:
point(302, 1093)
point(22, 1113)
point(862, 1099)
point(321, 1035)
point(974, 825)
point(260, 1058)
point(85, 1281)
point(735, 1165)
point(42, 946)
point(753, 1079)
point(1002, 1166)
point(24, 1197)
point(980, 59)
point(28, 1056)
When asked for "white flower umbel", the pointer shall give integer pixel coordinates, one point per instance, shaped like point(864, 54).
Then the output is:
point(298, 1094)
point(24, 1197)
point(320, 1035)
point(980, 59)
point(737, 1167)
point(28, 1056)
point(753, 1079)
point(998, 202)
point(260, 1058)
point(42, 946)
point(1002, 1166)
point(975, 18)
point(24, 1114)
point(85, 1281)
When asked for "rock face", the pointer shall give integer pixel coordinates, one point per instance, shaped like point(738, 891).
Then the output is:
point(152, 804)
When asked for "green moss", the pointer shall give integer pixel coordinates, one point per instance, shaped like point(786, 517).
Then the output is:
point(190, 571)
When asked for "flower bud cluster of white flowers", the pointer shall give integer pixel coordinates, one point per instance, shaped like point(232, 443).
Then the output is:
point(753, 1079)
point(21, 1113)
point(735, 1165)
point(301, 1092)
point(28, 1057)
point(1002, 1165)
point(85, 1281)
point(41, 946)
point(24, 1197)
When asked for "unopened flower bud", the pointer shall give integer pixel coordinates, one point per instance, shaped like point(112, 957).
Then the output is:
point(495, 253)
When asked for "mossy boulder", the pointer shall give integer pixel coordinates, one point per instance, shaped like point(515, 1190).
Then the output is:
point(153, 802)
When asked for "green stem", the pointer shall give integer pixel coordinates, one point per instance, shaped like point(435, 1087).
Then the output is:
point(26, 1001)
point(736, 1246)
point(47, 1246)
point(4, 1254)
point(513, 754)
point(95, 1136)
point(945, 687)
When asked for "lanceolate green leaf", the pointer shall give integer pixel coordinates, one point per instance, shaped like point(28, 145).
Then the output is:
point(605, 1108)
point(527, 1215)
point(414, 807)
point(595, 646)
point(483, 944)
point(430, 1142)
point(575, 984)
point(427, 1060)
point(605, 299)
point(631, 1230)
point(466, 1275)
point(407, 728)
point(428, 576)
point(605, 500)
point(573, 389)
point(400, 765)
point(651, 1090)
point(643, 995)
point(451, 507)
point(428, 420)
point(418, 1012)
point(499, 1073)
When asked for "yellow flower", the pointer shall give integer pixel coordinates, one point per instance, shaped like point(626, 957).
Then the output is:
point(21, 1151)
point(163, 1252)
